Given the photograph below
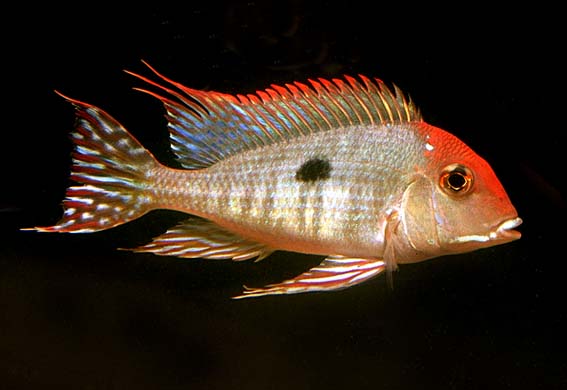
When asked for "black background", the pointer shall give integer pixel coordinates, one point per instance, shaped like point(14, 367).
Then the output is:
point(75, 313)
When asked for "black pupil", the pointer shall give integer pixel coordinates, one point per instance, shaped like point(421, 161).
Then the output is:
point(456, 180)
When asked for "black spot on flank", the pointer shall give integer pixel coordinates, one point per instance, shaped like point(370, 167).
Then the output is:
point(313, 170)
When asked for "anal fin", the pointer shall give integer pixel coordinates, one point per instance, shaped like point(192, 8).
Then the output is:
point(334, 273)
point(200, 238)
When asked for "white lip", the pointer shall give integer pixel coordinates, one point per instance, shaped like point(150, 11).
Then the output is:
point(506, 229)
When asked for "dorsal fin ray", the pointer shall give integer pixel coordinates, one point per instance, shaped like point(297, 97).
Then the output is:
point(206, 127)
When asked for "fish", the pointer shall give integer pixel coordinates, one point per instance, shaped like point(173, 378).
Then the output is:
point(345, 168)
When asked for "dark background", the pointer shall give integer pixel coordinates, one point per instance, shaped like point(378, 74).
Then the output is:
point(75, 313)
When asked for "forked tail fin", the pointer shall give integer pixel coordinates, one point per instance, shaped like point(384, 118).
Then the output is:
point(112, 168)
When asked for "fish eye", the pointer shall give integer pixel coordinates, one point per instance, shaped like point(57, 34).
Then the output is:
point(456, 179)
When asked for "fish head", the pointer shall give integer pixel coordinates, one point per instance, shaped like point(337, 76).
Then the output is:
point(458, 204)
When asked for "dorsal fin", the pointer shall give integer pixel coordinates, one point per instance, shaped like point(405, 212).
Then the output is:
point(206, 127)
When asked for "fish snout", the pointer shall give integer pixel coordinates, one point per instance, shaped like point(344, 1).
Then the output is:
point(505, 230)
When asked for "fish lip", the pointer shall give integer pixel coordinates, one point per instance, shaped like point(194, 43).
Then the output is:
point(503, 233)
point(506, 230)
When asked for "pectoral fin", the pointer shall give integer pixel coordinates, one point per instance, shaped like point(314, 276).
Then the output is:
point(334, 273)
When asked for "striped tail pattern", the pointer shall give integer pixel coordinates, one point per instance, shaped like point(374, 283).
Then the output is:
point(112, 168)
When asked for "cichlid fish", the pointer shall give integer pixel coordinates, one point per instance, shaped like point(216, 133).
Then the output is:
point(345, 168)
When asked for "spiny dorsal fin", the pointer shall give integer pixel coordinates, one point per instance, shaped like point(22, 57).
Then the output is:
point(206, 127)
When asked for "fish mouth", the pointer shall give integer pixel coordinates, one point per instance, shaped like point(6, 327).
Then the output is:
point(505, 231)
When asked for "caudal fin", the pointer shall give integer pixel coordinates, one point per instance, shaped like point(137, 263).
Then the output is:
point(112, 168)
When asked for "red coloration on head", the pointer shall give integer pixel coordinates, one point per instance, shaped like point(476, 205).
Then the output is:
point(459, 203)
